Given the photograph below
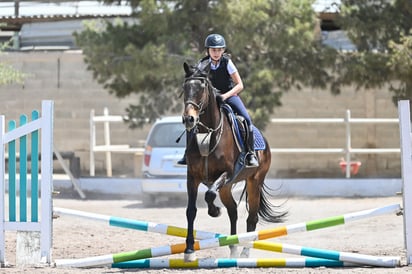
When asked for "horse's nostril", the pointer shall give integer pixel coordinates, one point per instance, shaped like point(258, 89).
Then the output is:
point(191, 119)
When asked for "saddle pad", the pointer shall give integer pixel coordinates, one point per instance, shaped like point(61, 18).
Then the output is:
point(259, 141)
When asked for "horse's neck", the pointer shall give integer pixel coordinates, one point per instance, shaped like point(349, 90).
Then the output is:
point(212, 116)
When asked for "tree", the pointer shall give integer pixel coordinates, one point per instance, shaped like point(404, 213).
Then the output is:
point(273, 43)
point(8, 74)
point(381, 32)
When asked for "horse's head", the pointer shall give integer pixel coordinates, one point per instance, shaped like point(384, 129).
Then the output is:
point(196, 90)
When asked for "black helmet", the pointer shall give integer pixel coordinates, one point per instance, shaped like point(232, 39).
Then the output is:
point(215, 41)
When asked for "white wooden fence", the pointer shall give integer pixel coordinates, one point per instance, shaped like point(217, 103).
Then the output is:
point(40, 210)
point(347, 151)
point(108, 148)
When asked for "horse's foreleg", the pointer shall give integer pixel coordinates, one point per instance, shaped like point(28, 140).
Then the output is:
point(191, 211)
point(211, 195)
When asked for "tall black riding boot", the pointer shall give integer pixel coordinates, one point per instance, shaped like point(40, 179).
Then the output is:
point(251, 159)
point(183, 160)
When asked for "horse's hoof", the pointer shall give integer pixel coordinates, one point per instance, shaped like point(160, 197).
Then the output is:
point(190, 257)
point(215, 212)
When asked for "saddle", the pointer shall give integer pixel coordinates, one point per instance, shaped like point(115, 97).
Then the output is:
point(240, 127)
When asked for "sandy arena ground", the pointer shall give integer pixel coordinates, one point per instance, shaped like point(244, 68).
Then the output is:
point(77, 238)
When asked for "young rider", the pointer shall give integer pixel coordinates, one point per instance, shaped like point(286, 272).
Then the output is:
point(225, 77)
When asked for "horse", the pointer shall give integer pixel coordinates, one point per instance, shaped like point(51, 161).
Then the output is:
point(212, 154)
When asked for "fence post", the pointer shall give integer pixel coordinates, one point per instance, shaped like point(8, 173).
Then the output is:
point(107, 144)
point(348, 143)
point(2, 193)
point(406, 160)
point(46, 181)
point(92, 142)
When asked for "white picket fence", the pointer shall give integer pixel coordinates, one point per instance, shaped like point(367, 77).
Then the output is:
point(39, 210)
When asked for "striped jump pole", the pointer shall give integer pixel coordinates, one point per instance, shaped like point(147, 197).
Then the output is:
point(135, 224)
point(201, 235)
point(231, 262)
point(232, 240)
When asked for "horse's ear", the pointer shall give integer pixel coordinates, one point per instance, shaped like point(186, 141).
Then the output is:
point(188, 69)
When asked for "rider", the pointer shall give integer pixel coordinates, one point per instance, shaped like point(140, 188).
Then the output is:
point(225, 77)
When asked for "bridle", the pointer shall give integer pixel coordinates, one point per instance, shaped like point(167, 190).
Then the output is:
point(201, 106)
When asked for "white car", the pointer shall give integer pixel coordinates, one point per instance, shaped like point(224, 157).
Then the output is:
point(163, 179)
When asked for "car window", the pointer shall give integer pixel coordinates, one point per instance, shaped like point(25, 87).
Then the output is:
point(165, 135)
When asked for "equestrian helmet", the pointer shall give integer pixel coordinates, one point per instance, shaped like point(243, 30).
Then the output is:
point(215, 41)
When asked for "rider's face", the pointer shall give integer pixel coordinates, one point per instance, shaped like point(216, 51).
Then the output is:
point(216, 53)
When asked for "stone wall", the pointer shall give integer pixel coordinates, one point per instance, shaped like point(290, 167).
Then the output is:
point(63, 78)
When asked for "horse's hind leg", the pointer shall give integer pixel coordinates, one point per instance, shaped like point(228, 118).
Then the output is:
point(253, 195)
point(231, 206)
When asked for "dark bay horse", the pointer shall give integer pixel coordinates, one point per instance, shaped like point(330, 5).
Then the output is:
point(211, 155)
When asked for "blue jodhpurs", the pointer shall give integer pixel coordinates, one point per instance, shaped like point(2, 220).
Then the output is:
point(238, 107)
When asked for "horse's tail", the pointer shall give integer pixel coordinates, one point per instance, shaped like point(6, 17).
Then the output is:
point(269, 212)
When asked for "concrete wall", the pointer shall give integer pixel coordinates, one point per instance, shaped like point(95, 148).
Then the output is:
point(63, 78)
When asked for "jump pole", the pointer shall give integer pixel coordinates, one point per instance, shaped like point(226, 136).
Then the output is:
point(242, 238)
point(202, 235)
point(231, 262)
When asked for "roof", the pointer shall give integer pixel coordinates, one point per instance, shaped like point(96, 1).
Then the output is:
point(41, 11)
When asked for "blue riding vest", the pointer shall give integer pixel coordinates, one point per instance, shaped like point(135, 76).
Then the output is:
point(222, 81)
point(220, 78)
